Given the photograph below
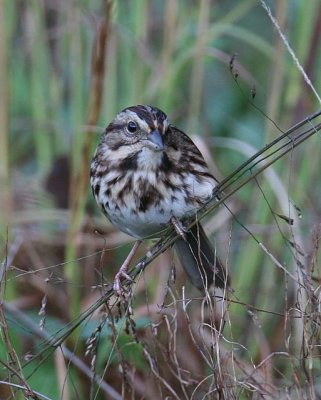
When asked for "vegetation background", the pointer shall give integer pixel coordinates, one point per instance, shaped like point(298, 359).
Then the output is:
point(66, 68)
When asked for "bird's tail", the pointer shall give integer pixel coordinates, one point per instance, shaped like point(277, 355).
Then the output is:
point(199, 259)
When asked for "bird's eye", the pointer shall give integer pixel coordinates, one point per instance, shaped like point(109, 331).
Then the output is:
point(131, 127)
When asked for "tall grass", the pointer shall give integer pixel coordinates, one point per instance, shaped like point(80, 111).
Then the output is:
point(66, 68)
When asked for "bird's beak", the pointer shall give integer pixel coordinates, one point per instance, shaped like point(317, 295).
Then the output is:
point(155, 140)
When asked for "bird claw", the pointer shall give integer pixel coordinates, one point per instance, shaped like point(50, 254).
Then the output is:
point(118, 287)
point(179, 228)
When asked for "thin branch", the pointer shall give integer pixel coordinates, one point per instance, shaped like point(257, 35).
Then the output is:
point(77, 362)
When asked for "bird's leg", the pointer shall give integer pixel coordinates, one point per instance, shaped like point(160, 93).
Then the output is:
point(179, 228)
point(122, 273)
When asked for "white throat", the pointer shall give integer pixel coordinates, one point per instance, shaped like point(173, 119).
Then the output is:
point(149, 159)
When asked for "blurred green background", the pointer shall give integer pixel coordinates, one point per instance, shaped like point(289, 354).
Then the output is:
point(66, 69)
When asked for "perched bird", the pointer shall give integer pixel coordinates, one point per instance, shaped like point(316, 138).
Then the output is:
point(147, 174)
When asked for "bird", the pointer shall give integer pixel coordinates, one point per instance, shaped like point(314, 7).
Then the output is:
point(147, 175)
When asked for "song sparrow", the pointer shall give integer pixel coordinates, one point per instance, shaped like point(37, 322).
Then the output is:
point(147, 174)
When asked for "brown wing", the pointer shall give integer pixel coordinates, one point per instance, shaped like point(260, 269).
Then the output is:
point(184, 154)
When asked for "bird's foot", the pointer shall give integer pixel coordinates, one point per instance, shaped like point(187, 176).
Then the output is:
point(117, 286)
point(179, 228)
point(122, 273)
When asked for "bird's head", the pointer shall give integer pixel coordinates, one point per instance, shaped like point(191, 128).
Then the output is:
point(138, 127)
